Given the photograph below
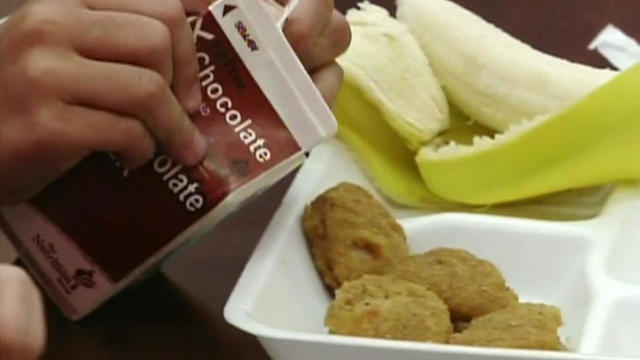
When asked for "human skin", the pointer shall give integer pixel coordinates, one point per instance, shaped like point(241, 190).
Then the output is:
point(22, 324)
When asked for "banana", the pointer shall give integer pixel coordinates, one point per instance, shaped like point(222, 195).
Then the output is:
point(391, 166)
point(393, 115)
point(381, 152)
point(592, 142)
point(387, 64)
point(492, 77)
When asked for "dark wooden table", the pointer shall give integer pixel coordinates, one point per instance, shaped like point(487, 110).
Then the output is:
point(178, 314)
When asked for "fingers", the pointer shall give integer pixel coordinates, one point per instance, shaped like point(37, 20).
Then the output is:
point(22, 321)
point(305, 25)
point(317, 32)
point(331, 43)
point(97, 130)
point(125, 38)
point(147, 97)
point(172, 14)
point(329, 80)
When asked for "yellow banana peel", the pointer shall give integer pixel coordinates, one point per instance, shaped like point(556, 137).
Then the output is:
point(381, 151)
point(595, 141)
point(390, 165)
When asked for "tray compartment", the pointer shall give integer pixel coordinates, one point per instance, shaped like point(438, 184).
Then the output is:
point(619, 333)
point(542, 262)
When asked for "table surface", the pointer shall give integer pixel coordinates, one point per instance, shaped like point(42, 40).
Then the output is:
point(178, 313)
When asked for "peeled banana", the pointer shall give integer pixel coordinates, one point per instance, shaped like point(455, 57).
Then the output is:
point(386, 63)
point(492, 77)
point(560, 125)
point(382, 153)
point(391, 166)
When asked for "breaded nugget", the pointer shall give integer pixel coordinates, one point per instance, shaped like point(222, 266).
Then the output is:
point(522, 326)
point(350, 233)
point(468, 285)
point(383, 307)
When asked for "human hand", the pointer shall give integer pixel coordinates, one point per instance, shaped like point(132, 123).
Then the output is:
point(22, 324)
point(73, 80)
point(78, 76)
point(319, 33)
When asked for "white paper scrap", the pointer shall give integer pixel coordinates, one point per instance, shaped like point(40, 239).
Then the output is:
point(621, 50)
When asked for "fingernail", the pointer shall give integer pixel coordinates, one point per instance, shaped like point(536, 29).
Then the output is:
point(195, 99)
point(197, 149)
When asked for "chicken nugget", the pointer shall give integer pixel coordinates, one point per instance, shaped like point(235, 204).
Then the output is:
point(521, 326)
point(469, 286)
point(383, 307)
point(350, 233)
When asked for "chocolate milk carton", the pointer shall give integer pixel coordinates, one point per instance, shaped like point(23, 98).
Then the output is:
point(100, 227)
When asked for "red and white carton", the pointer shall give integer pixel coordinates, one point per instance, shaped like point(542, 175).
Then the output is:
point(99, 227)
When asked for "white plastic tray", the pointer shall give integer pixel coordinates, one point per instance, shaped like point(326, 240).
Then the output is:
point(590, 269)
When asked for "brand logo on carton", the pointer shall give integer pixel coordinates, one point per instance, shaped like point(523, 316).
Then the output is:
point(244, 33)
point(69, 283)
point(82, 278)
